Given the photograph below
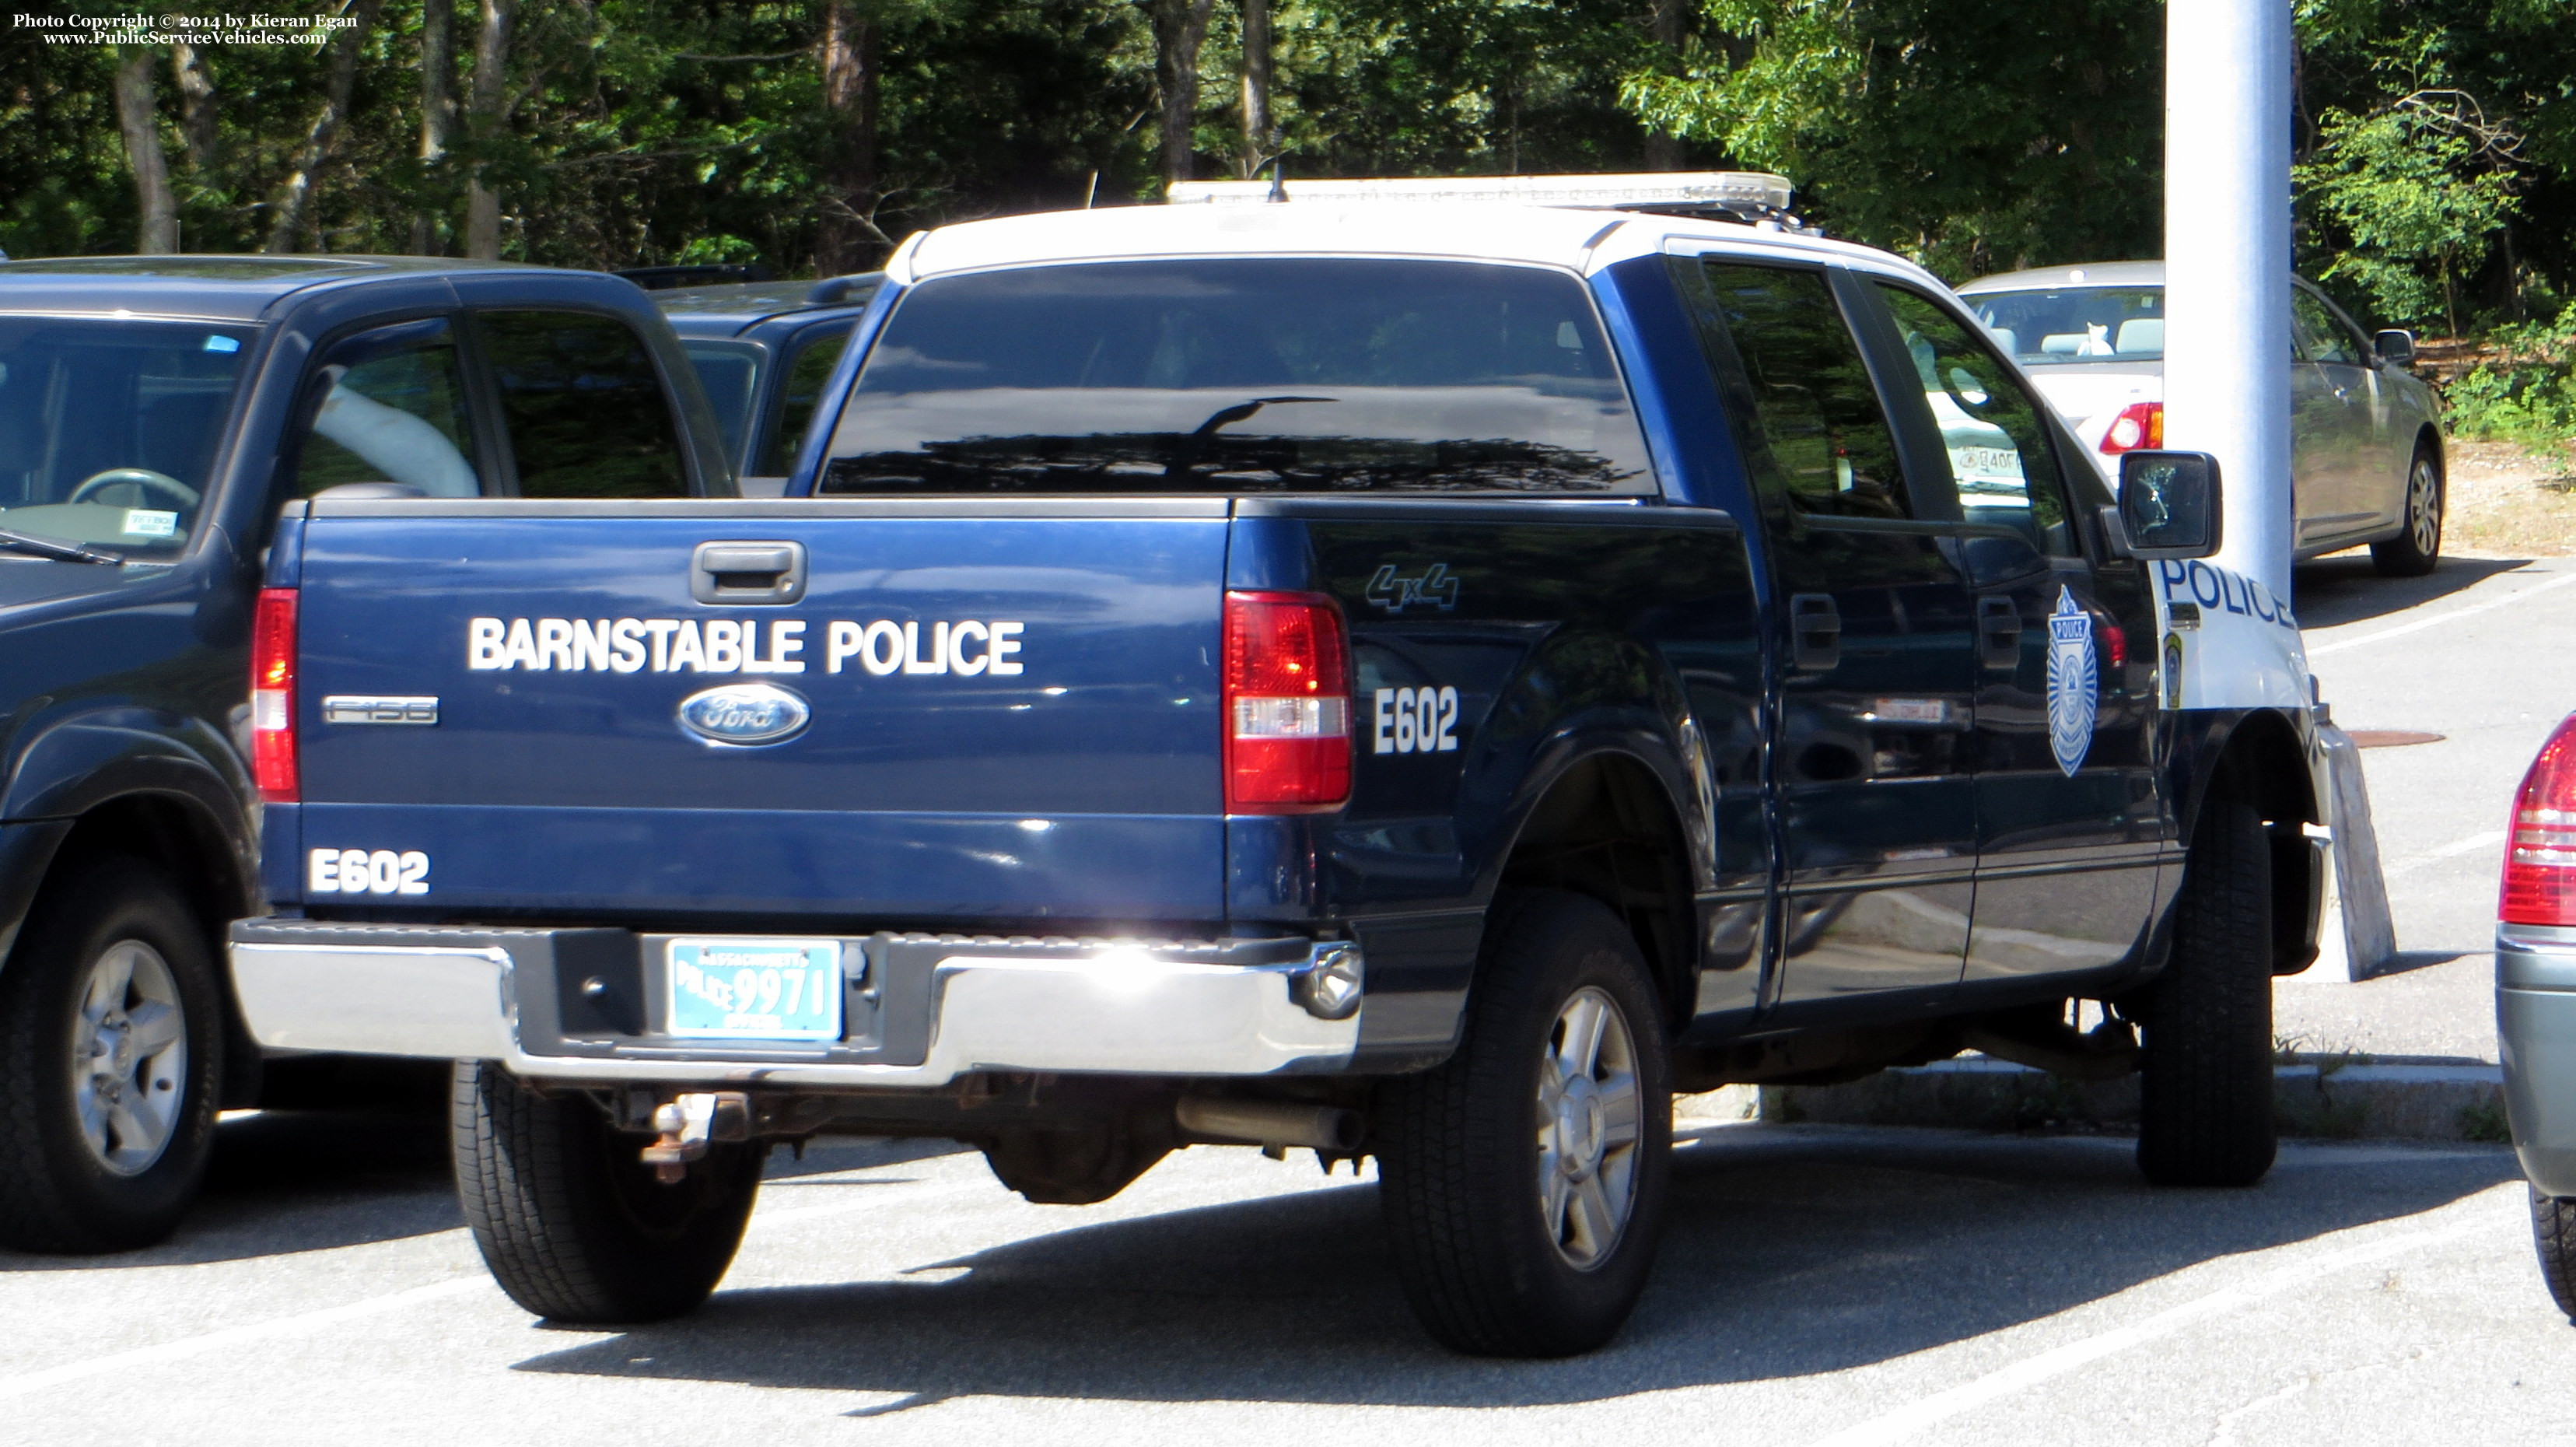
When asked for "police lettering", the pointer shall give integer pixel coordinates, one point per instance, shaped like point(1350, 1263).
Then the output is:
point(727, 645)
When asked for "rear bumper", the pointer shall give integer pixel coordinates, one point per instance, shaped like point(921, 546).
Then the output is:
point(2536, 1033)
point(578, 1005)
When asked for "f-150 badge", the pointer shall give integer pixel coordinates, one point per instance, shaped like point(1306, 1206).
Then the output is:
point(1435, 586)
point(2073, 680)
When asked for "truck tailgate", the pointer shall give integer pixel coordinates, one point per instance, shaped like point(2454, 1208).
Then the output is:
point(1009, 711)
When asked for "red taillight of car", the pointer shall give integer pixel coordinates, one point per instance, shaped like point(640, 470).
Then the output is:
point(1287, 704)
point(2140, 424)
point(2540, 853)
point(272, 695)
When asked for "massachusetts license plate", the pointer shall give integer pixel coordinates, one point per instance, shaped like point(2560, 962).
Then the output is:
point(755, 989)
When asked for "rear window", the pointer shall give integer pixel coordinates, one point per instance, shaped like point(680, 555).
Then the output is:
point(1238, 376)
point(2060, 325)
point(584, 405)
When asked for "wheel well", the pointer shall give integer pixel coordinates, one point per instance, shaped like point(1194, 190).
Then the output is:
point(191, 848)
point(2429, 439)
point(2263, 765)
point(1606, 828)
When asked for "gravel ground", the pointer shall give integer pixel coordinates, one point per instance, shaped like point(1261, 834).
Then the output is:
point(2508, 503)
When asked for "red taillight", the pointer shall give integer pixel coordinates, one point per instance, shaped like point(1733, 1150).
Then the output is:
point(2140, 424)
point(1287, 704)
point(2540, 853)
point(272, 695)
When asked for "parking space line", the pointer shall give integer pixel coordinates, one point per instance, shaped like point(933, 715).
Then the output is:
point(233, 1336)
point(2420, 624)
point(1893, 1427)
point(2452, 850)
point(164, 1353)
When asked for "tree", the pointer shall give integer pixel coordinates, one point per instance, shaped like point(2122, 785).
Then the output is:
point(159, 232)
point(849, 57)
point(2412, 188)
point(1260, 130)
point(487, 111)
point(1180, 28)
point(437, 110)
point(287, 212)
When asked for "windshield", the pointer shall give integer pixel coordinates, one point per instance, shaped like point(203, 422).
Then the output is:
point(2076, 323)
point(108, 427)
point(1242, 375)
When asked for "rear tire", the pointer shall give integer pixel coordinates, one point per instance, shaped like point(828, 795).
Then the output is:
point(1523, 1181)
point(2205, 1092)
point(2418, 549)
point(111, 1057)
point(570, 1219)
point(2553, 1231)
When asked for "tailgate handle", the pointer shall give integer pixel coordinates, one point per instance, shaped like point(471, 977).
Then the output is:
point(749, 572)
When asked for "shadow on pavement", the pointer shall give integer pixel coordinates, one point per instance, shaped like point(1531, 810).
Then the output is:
point(2345, 588)
point(1791, 1251)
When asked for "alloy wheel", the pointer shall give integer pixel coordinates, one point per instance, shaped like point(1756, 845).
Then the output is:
point(129, 1057)
point(1590, 1122)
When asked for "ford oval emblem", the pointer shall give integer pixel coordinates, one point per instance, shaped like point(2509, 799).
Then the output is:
point(745, 713)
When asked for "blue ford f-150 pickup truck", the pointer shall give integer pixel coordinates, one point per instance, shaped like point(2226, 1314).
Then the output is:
point(1421, 682)
point(155, 412)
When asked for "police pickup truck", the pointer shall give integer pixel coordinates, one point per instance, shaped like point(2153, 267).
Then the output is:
point(1422, 681)
point(155, 412)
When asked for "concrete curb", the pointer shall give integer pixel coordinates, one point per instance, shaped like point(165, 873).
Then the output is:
point(2333, 1097)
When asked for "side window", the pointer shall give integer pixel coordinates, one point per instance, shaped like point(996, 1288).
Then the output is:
point(584, 406)
point(2321, 337)
point(1812, 396)
point(394, 411)
point(817, 352)
point(727, 371)
point(1993, 430)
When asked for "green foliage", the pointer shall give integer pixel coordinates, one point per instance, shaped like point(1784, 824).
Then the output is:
point(1973, 135)
point(2527, 395)
point(2404, 190)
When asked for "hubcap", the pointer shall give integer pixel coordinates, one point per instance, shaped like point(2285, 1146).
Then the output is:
point(129, 1057)
point(1590, 1117)
point(2424, 508)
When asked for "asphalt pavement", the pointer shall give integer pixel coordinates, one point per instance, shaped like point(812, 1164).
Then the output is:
point(1817, 1285)
point(2478, 654)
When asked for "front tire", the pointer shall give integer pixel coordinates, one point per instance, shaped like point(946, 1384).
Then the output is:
point(570, 1219)
point(2417, 550)
point(1523, 1181)
point(111, 1056)
point(2205, 1089)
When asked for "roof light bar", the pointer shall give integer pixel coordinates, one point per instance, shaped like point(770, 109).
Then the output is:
point(1752, 192)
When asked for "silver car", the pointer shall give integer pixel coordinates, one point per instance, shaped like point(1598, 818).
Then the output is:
point(2366, 437)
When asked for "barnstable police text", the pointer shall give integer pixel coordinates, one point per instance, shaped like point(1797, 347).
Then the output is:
point(723, 645)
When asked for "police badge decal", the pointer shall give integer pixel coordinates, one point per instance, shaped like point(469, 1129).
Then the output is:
point(2072, 680)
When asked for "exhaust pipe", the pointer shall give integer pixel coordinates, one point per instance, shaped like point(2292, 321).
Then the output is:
point(1269, 1124)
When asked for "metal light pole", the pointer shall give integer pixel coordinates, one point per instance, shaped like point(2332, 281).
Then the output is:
point(2227, 265)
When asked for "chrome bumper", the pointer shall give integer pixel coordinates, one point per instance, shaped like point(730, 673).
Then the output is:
point(2536, 1035)
point(1105, 1006)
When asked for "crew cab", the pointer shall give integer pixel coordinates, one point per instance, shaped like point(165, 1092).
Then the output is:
point(155, 413)
point(1412, 679)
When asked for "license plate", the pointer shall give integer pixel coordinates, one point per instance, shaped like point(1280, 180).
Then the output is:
point(753, 989)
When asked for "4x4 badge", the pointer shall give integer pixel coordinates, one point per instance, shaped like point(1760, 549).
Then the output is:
point(1436, 586)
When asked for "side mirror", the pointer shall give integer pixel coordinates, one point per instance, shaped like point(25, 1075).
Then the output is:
point(2395, 346)
point(2169, 504)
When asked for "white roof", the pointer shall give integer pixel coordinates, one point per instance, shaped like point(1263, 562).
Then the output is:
point(1580, 239)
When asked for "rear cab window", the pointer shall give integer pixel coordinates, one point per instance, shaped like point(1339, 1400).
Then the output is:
point(1242, 375)
point(583, 405)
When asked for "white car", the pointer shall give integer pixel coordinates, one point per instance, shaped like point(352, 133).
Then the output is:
point(2366, 437)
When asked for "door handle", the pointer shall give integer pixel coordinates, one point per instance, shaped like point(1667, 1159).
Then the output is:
point(1815, 632)
point(748, 572)
point(1999, 632)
